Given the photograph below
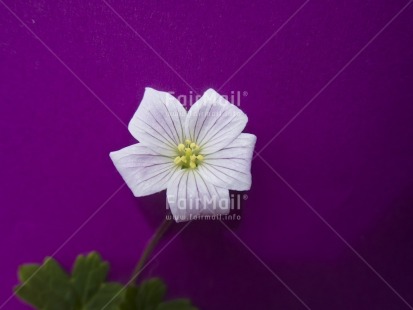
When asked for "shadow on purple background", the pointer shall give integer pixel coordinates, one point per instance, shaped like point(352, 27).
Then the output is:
point(349, 154)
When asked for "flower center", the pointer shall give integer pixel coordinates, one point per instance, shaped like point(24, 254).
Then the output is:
point(188, 155)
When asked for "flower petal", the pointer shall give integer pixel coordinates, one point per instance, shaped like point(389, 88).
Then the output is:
point(190, 196)
point(144, 171)
point(213, 122)
point(231, 167)
point(159, 121)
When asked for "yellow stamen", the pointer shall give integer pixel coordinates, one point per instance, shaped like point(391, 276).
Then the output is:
point(188, 155)
point(181, 147)
point(177, 160)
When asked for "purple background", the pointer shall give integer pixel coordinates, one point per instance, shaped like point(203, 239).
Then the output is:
point(349, 154)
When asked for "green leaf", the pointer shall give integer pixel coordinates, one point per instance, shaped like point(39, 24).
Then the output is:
point(88, 274)
point(150, 294)
point(177, 304)
point(27, 271)
point(130, 298)
point(49, 287)
point(30, 296)
point(108, 297)
point(46, 285)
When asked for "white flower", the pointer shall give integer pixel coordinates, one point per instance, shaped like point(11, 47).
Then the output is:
point(197, 156)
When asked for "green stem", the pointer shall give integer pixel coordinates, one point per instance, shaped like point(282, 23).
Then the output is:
point(149, 249)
